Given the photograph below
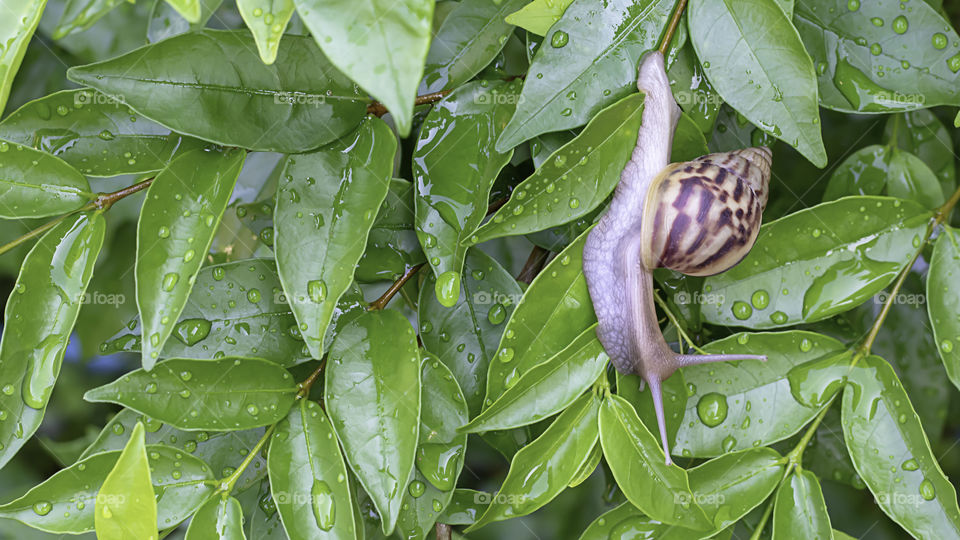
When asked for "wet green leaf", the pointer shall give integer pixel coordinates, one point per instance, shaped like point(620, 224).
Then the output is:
point(800, 510)
point(465, 507)
point(19, 22)
point(688, 141)
point(922, 134)
point(188, 9)
point(196, 82)
point(392, 246)
point(220, 518)
point(692, 91)
point(547, 388)
point(943, 300)
point(542, 469)
point(440, 452)
point(38, 320)
point(66, 500)
point(308, 478)
point(180, 215)
point(262, 521)
point(379, 44)
point(876, 170)
point(738, 405)
point(575, 179)
point(910, 178)
point(353, 175)
point(730, 486)
point(125, 507)
point(674, 392)
point(266, 19)
point(372, 394)
point(539, 15)
point(825, 269)
point(827, 455)
point(552, 312)
point(890, 451)
point(79, 15)
point(35, 184)
point(166, 22)
point(587, 61)
point(636, 459)
point(771, 81)
point(469, 38)
point(465, 337)
point(454, 167)
point(866, 67)
point(227, 394)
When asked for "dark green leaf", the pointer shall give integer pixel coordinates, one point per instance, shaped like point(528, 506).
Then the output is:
point(729, 486)
point(692, 91)
point(196, 84)
point(943, 297)
point(220, 518)
point(674, 395)
point(36, 184)
point(800, 511)
point(180, 215)
point(392, 247)
point(79, 15)
point(325, 206)
point(227, 394)
point(922, 134)
point(125, 507)
point(465, 507)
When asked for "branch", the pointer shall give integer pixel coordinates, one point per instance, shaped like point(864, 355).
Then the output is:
point(384, 299)
point(378, 109)
point(668, 36)
point(535, 263)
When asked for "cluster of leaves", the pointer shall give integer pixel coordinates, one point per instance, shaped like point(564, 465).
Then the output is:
point(287, 161)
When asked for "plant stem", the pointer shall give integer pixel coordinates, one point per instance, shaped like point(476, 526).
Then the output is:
point(763, 522)
point(226, 486)
point(672, 27)
point(443, 531)
point(535, 263)
point(676, 323)
point(378, 109)
point(384, 299)
point(309, 381)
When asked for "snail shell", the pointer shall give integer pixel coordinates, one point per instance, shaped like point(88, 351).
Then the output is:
point(701, 217)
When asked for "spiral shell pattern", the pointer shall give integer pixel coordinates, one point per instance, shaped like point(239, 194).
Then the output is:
point(703, 216)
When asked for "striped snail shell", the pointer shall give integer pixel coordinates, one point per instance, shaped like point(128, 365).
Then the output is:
point(701, 217)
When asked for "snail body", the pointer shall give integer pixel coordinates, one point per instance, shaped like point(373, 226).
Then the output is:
point(699, 217)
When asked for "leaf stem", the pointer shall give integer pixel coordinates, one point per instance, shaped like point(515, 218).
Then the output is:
point(535, 263)
point(226, 486)
point(676, 323)
point(384, 299)
point(309, 381)
point(763, 522)
point(672, 27)
point(378, 109)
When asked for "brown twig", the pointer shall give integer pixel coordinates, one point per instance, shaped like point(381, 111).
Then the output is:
point(385, 298)
point(309, 381)
point(535, 263)
point(444, 531)
point(378, 109)
point(495, 205)
point(674, 21)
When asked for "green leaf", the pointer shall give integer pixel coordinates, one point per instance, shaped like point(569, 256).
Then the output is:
point(465, 337)
point(588, 61)
point(454, 167)
point(196, 83)
point(943, 300)
point(574, 180)
point(180, 215)
point(771, 81)
point(730, 486)
point(552, 312)
point(892, 454)
point(910, 178)
point(636, 459)
point(919, 65)
point(189, 9)
point(875, 170)
point(827, 455)
point(220, 518)
point(79, 15)
point(627, 521)
point(166, 22)
point(547, 388)
point(19, 22)
point(35, 184)
point(262, 521)
point(542, 469)
point(379, 44)
point(688, 141)
point(372, 393)
point(465, 507)
point(66, 500)
point(266, 19)
point(800, 510)
point(467, 41)
point(825, 269)
point(96, 133)
point(440, 452)
point(220, 320)
point(38, 320)
point(125, 507)
point(674, 396)
point(922, 134)
point(692, 91)
point(308, 478)
point(392, 246)
point(325, 206)
point(227, 394)
point(738, 405)
point(539, 15)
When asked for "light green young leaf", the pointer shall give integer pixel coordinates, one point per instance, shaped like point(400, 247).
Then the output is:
point(800, 511)
point(220, 518)
point(227, 394)
point(891, 452)
point(325, 207)
point(585, 63)
point(16, 28)
point(266, 19)
point(38, 320)
point(943, 299)
point(197, 82)
point(454, 167)
point(825, 269)
point(539, 15)
point(372, 393)
point(125, 507)
point(79, 15)
point(543, 468)
point(189, 9)
point(379, 44)
point(754, 58)
point(180, 215)
point(574, 180)
point(547, 388)
point(308, 478)
point(35, 184)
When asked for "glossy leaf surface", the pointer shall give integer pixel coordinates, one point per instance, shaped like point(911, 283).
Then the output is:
point(35, 184)
point(18, 25)
point(125, 507)
point(943, 295)
point(539, 15)
point(800, 509)
point(730, 486)
point(266, 19)
point(220, 518)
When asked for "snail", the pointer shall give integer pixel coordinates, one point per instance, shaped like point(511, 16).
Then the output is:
point(700, 218)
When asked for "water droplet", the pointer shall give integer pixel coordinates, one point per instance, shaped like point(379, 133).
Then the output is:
point(877, 21)
point(186, 376)
point(946, 346)
point(566, 112)
point(853, 5)
point(253, 410)
point(712, 409)
point(910, 465)
point(876, 49)
point(939, 41)
point(324, 507)
point(218, 273)
point(192, 331)
point(416, 488)
point(729, 443)
point(900, 24)
point(497, 314)
point(559, 39)
point(742, 310)
point(253, 295)
point(805, 345)
point(438, 464)
point(317, 290)
point(778, 317)
point(574, 203)
point(151, 388)
point(106, 135)
point(42, 508)
point(447, 288)
point(927, 490)
point(760, 299)
point(163, 232)
point(954, 63)
point(505, 355)
point(170, 281)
